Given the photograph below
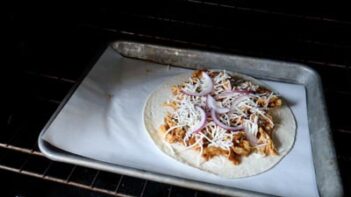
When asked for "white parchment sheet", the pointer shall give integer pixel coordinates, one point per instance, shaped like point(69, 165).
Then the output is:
point(103, 121)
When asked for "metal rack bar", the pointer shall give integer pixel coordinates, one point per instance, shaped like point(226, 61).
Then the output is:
point(213, 27)
point(315, 18)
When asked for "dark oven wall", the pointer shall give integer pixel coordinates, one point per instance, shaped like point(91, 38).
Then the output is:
point(47, 49)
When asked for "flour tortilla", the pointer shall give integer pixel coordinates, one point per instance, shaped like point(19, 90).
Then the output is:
point(283, 135)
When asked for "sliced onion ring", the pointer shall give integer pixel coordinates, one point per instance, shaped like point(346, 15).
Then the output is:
point(211, 103)
point(220, 124)
point(243, 91)
point(240, 98)
point(205, 91)
point(202, 122)
point(234, 92)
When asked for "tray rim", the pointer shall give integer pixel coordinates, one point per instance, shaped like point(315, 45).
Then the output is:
point(63, 156)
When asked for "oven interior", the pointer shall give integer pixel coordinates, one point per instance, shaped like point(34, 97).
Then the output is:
point(47, 50)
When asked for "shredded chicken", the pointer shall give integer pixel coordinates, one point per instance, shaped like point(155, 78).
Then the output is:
point(249, 107)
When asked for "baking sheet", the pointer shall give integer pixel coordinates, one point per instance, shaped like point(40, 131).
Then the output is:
point(103, 120)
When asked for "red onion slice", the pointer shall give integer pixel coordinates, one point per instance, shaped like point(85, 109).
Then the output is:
point(220, 124)
point(208, 89)
point(211, 103)
point(240, 99)
point(202, 122)
point(234, 92)
point(243, 91)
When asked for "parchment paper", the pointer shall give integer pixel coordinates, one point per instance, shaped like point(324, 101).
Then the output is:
point(103, 121)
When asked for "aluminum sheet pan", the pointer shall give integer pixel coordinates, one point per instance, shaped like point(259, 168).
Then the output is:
point(328, 179)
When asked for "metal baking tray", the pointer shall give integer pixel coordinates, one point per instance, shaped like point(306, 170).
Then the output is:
point(324, 158)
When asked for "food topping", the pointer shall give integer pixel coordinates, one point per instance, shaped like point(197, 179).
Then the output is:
point(219, 114)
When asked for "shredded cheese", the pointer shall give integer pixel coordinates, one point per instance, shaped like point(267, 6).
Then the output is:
point(244, 111)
